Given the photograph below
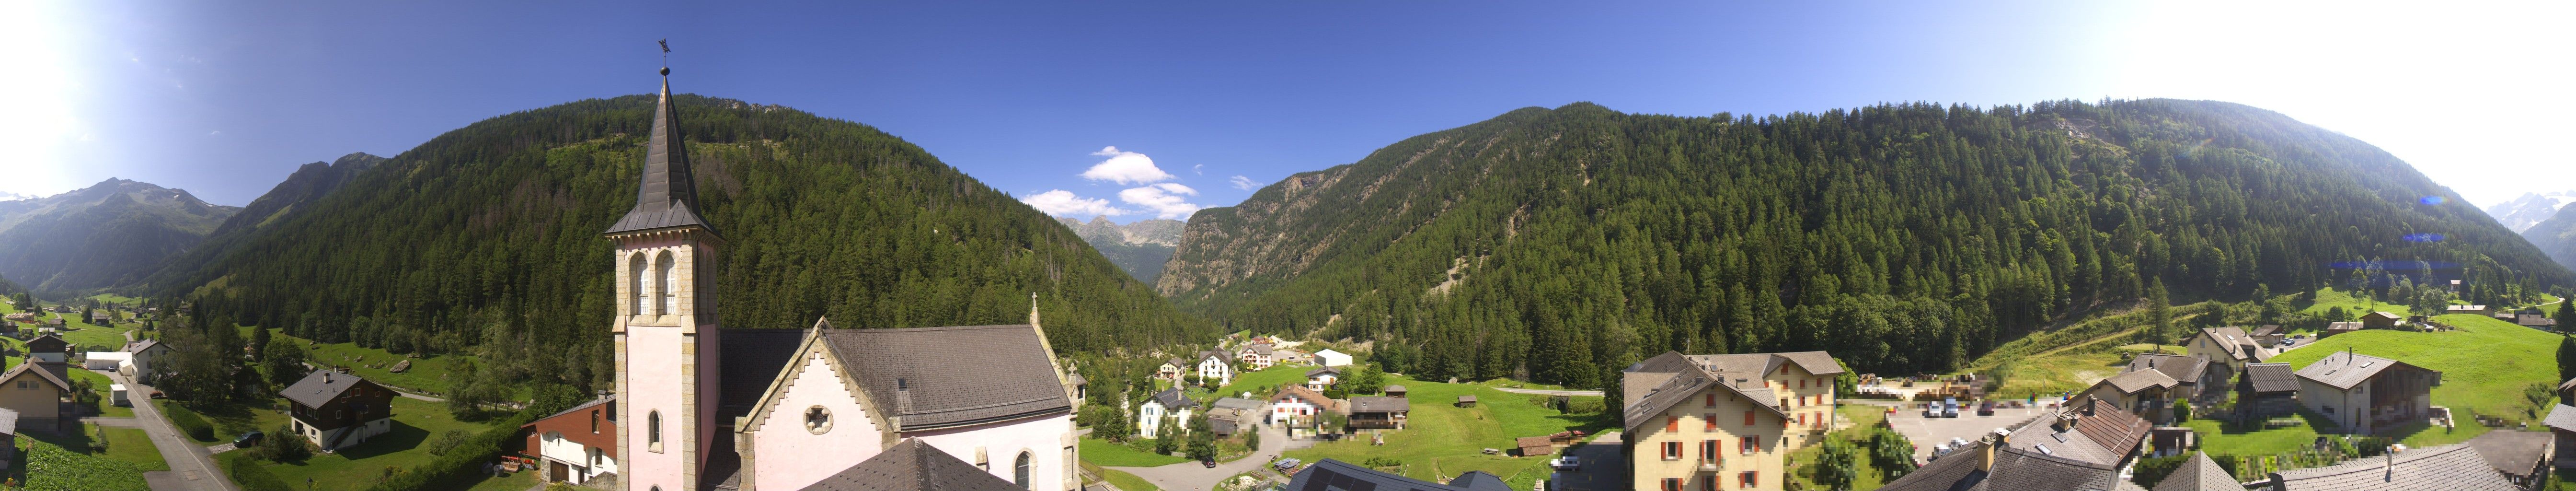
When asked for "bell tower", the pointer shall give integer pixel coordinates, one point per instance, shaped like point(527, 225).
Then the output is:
point(665, 330)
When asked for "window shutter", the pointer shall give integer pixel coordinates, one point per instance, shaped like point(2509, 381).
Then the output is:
point(1672, 423)
point(1712, 399)
point(1748, 417)
point(1711, 419)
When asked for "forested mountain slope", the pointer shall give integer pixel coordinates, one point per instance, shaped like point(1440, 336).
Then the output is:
point(108, 234)
point(487, 240)
point(1906, 238)
point(2556, 236)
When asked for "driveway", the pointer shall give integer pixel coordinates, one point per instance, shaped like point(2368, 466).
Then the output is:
point(1927, 432)
point(192, 468)
point(1192, 475)
point(1601, 462)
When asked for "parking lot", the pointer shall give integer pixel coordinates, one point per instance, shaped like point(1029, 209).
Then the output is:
point(1601, 467)
point(1927, 432)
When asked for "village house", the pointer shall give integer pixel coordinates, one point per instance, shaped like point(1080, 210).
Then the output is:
point(1166, 406)
point(140, 356)
point(1297, 405)
point(1216, 368)
point(2228, 345)
point(1330, 474)
point(577, 444)
point(2083, 446)
point(1332, 358)
point(8, 438)
point(2468, 309)
point(2562, 427)
point(101, 317)
point(35, 391)
point(104, 360)
point(1257, 356)
point(1323, 377)
point(2334, 328)
point(2146, 393)
point(1172, 369)
point(2381, 320)
point(2535, 321)
point(338, 410)
point(1393, 391)
point(2267, 390)
point(2199, 474)
point(1722, 421)
point(787, 409)
point(1229, 415)
point(2365, 394)
point(21, 317)
point(49, 348)
point(1379, 413)
point(2447, 468)
point(2196, 378)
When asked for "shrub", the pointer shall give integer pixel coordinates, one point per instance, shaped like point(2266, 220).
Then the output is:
point(189, 422)
point(1585, 405)
point(448, 441)
point(247, 472)
point(283, 445)
point(2153, 470)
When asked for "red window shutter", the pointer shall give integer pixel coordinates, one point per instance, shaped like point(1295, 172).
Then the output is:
point(1711, 419)
point(1672, 423)
point(1802, 383)
point(1748, 417)
point(1708, 482)
point(1672, 484)
point(1712, 399)
point(1752, 479)
point(1672, 450)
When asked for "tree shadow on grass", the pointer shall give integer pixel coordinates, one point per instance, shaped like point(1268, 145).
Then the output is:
point(73, 438)
point(399, 438)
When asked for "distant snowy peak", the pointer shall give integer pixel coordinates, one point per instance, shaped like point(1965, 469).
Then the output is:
point(2521, 213)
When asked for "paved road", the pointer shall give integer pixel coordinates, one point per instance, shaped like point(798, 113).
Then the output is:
point(1601, 462)
point(1193, 475)
point(1593, 393)
point(192, 467)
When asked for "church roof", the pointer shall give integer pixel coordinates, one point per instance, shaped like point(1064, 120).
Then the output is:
point(912, 466)
point(952, 376)
point(668, 197)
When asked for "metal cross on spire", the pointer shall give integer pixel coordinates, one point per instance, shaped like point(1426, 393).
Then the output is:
point(666, 56)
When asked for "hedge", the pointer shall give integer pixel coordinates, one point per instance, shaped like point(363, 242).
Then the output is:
point(247, 472)
point(462, 463)
point(189, 422)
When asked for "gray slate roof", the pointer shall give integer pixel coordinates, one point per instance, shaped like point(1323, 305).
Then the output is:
point(1329, 474)
point(912, 466)
point(1660, 382)
point(2234, 342)
point(2183, 369)
point(956, 375)
point(2199, 474)
point(752, 359)
point(2446, 468)
point(2133, 382)
point(668, 195)
point(2102, 434)
point(2562, 417)
point(1374, 404)
point(1336, 371)
point(320, 387)
point(1237, 403)
point(2511, 452)
point(1172, 399)
point(2344, 370)
point(2015, 469)
point(140, 346)
point(2272, 377)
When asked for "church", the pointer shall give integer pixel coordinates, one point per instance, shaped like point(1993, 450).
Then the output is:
point(815, 409)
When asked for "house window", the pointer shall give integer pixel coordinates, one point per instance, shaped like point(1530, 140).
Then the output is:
point(1020, 471)
point(1711, 420)
point(1748, 417)
point(1752, 478)
point(1708, 451)
point(1672, 484)
point(1802, 383)
point(1672, 423)
point(818, 420)
point(1748, 445)
point(1708, 482)
point(670, 283)
point(653, 430)
point(1712, 399)
point(1672, 450)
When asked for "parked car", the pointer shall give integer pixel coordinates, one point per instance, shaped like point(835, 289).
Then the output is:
point(1986, 408)
point(1568, 462)
point(1286, 464)
point(1211, 463)
point(250, 439)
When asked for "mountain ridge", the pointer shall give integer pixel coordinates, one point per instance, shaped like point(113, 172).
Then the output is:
point(100, 236)
point(2530, 209)
point(1140, 248)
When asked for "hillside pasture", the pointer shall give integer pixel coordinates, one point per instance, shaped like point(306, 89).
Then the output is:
point(2486, 365)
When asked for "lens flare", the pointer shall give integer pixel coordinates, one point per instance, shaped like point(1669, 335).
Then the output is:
point(2424, 237)
point(2430, 200)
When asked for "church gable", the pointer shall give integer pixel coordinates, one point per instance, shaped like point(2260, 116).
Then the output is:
point(816, 377)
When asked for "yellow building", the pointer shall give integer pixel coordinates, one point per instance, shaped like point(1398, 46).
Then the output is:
point(1723, 422)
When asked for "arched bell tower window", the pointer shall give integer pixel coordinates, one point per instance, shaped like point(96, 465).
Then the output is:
point(635, 283)
point(1020, 470)
point(670, 284)
point(653, 430)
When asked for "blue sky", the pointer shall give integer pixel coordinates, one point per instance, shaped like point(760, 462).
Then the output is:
point(1029, 97)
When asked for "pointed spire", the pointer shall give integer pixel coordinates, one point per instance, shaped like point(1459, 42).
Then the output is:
point(668, 196)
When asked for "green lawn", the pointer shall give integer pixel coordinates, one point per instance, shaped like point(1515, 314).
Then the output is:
point(2073, 369)
point(1442, 440)
point(235, 419)
point(427, 375)
point(105, 388)
point(1865, 476)
point(2485, 366)
point(516, 481)
point(1263, 383)
point(1109, 453)
point(133, 445)
point(64, 462)
point(2219, 439)
point(416, 422)
point(2330, 298)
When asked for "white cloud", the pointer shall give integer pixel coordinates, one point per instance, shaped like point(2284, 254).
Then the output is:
point(1166, 200)
point(1125, 167)
point(1200, 169)
point(1058, 202)
point(1245, 183)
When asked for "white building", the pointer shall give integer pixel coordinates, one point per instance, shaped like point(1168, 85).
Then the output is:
point(1332, 358)
point(1319, 378)
point(141, 355)
point(103, 360)
point(1168, 405)
point(1215, 368)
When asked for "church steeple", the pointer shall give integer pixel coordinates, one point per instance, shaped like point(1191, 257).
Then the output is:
point(668, 197)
